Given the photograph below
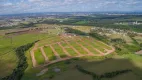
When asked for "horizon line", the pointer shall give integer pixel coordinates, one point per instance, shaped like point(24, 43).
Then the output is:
point(75, 12)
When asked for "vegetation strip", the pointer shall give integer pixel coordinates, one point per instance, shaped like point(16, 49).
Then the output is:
point(43, 53)
point(105, 75)
point(73, 48)
point(55, 53)
point(64, 49)
point(39, 57)
point(89, 52)
point(22, 63)
point(92, 47)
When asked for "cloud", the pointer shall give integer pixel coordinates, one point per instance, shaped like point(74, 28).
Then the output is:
point(8, 4)
point(17, 6)
point(35, 0)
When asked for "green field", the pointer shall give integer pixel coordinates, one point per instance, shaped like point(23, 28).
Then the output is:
point(126, 38)
point(102, 45)
point(59, 50)
point(49, 53)
point(79, 48)
point(95, 44)
point(39, 57)
point(50, 39)
point(8, 62)
point(69, 50)
point(88, 46)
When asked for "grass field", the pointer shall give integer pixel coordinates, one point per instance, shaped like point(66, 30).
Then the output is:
point(85, 29)
point(8, 62)
point(59, 50)
point(95, 44)
point(88, 46)
point(80, 49)
point(39, 57)
point(69, 50)
point(101, 44)
point(126, 38)
point(49, 53)
point(50, 39)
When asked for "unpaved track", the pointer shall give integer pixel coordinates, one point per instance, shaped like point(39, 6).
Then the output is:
point(33, 58)
point(44, 55)
point(55, 53)
point(33, 55)
point(109, 51)
point(65, 51)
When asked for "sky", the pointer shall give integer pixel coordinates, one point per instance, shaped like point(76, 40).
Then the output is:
point(33, 6)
